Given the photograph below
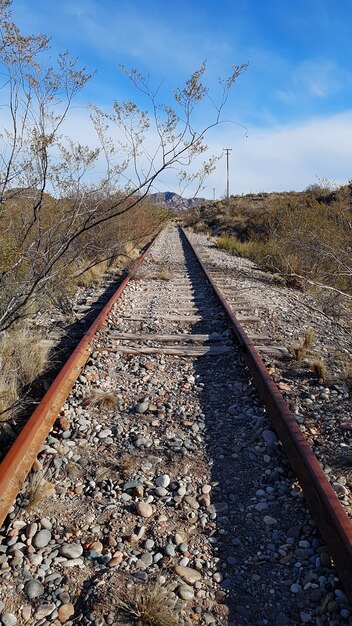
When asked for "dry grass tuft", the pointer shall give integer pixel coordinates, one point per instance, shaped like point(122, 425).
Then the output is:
point(23, 357)
point(156, 261)
point(37, 489)
point(298, 351)
point(127, 465)
point(9, 399)
point(235, 246)
point(31, 356)
point(104, 401)
point(149, 607)
point(102, 473)
point(164, 275)
point(135, 271)
point(340, 460)
point(73, 470)
point(318, 366)
point(309, 338)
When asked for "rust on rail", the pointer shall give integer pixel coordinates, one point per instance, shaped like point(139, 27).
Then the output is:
point(22, 454)
point(332, 520)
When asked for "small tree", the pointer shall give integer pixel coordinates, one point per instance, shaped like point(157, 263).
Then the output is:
point(45, 235)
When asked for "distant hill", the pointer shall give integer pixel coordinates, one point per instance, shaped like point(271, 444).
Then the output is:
point(174, 201)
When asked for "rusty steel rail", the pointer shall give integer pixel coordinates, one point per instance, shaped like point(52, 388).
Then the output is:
point(18, 461)
point(332, 520)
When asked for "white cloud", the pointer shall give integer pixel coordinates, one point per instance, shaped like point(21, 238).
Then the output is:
point(288, 157)
point(280, 158)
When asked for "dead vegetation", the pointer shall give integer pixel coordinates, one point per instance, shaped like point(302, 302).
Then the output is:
point(148, 606)
point(103, 401)
point(344, 363)
point(340, 459)
point(164, 275)
point(128, 465)
point(23, 357)
point(317, 365)
point(303, 352)
point(73, 470)
point(102, 474)
point(37, 489)
point(135, 271)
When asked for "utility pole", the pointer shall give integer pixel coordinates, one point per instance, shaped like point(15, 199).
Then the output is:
point(227, 150)
point(214, 194)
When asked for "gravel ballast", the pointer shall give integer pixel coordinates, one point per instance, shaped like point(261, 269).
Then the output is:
point(178, 483)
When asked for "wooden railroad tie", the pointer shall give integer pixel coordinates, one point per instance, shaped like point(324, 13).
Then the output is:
point(273, 350)
point(172, 350)
point(245, 319)
point(197, 310)
point(172, 318)
point(196, 338)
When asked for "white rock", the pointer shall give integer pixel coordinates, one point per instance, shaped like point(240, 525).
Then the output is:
point(163, 480)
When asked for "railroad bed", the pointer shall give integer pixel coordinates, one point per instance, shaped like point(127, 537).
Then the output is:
point(163, 474)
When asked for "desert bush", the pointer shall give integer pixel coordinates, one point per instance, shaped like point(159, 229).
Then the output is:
point(190, 217)
point(305, 236)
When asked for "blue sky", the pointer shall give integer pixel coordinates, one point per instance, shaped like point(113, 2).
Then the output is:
point(295, 98)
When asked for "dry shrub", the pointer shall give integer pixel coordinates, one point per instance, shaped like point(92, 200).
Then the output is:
point(201, 227)
point(23, 357)
point(47, 266)
point(135, 271)
point(293, 233)
point(64, 304)
point(37, 489)
point(149, 607)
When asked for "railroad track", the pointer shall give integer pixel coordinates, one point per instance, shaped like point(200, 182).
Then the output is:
point(167, 471)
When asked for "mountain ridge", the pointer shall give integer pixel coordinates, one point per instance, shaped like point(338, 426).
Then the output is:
point(173, 200)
